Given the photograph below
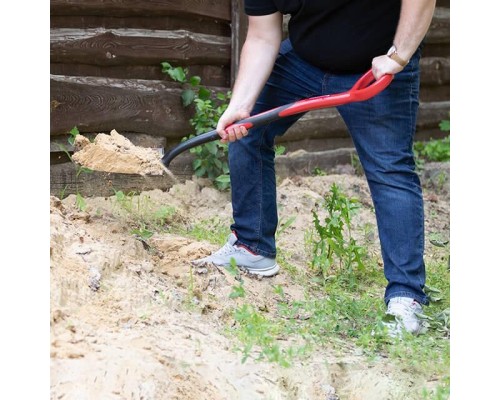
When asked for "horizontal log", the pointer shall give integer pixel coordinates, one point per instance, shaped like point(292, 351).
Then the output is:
point(434, 93)
point(434, 71)
point(103, 104)
point(304, 162)
point(219, 9)
point(327, 123)
point(165, 23)
point(60, 143)
point(65, 179)
point(211, 75)
point(134, 106)
point(333, 143)
point(439, 30)
point(99, 46)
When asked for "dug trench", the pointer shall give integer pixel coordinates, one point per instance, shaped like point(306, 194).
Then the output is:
point(132, 319)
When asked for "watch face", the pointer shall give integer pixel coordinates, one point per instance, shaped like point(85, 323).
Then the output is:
point(391, 51)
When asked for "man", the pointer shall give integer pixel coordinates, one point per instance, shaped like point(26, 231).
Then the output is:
point(331, 44)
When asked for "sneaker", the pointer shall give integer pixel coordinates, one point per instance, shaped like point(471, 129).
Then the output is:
point(245, 259)
point(402, 314)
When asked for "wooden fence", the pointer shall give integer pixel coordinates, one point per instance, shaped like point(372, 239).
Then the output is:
point(106, 74)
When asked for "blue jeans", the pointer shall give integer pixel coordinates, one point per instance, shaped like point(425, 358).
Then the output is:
point(382, 130)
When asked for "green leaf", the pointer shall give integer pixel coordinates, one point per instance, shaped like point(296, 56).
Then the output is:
point(444, 125)
point(439, 243)
point(431, 289)
point(73, 133)
point(143, 233)
point(223, 179)
point(177, 74)
point(238, 291)
point(80, 202)
point(280, 150)
point(187, 97)
point(165, 67)
point(204, 93)
point(196, 163)
point(194, 80)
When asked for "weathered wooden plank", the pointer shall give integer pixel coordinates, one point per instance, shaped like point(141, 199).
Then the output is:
point(434, 71)
point(190, 23)
point(305, 162)
point(60, 143)
point(102, 104)
point(65, 179)
point(439, 30)
point(328, 123)
point(100, 46)
point(430, 94)
point(211, 75)
point(219, 9)
point(333, 143)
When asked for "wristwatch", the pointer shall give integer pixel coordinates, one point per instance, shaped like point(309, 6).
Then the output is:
point(393, 54)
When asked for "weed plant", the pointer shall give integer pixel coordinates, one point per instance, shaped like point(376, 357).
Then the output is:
point(80, 202)
point(144, 215)
point(210, 158)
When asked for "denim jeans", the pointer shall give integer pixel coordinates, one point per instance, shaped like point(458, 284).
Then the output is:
point(382, 130)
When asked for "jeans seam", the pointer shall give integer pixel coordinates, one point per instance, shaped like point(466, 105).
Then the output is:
point(261, 200)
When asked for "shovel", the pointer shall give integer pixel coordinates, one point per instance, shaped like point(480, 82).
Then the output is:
point(365, 88)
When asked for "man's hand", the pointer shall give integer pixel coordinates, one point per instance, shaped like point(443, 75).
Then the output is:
point(383, 65)
point(230, 116)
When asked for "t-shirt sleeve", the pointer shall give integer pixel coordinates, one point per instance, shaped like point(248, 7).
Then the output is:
point(260, 7)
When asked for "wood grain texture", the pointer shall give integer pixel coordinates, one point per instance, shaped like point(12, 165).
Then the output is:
point(219, 9)
point(99, 46)
point(103, 104)
point(211, 75)
point(190, 23)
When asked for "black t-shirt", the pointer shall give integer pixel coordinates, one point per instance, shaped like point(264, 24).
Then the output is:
point(339, 36)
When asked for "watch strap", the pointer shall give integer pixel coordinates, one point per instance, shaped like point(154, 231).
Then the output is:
point(393, 54)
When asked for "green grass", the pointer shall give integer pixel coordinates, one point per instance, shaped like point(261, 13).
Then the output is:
point(344, 307)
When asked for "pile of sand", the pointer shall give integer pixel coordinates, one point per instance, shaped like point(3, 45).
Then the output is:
point(115, 153)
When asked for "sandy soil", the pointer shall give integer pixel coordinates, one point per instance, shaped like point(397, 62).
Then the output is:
point(121, 327)
point(115, 153)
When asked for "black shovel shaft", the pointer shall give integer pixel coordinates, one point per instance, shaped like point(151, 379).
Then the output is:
point(251, 122)
point(365, 88)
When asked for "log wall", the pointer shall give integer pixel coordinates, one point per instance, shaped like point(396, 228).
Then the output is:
point(105, 74)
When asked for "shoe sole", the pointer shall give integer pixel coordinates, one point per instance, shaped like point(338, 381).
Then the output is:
point(263, 272)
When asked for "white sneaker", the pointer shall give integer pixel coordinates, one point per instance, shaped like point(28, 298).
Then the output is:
point(246, 260)
point(402, 314)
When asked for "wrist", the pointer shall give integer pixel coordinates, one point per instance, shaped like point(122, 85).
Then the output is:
point(394, 55)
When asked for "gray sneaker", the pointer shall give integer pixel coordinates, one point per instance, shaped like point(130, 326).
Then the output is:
point(246, 260)
point(402, 314)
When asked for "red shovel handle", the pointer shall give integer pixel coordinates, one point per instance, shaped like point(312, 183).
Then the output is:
point(365, 88)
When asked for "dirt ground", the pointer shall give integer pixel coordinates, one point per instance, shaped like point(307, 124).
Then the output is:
point(120, 327)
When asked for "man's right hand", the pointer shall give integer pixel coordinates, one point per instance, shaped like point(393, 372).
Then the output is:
point(231, 134)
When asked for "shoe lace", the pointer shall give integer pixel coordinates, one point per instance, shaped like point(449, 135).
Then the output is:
point(225, 250)
point(403, 310)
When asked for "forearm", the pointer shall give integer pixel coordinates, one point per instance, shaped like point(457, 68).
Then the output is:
point(256, 62)
point(257, 59)
point(415, 19)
